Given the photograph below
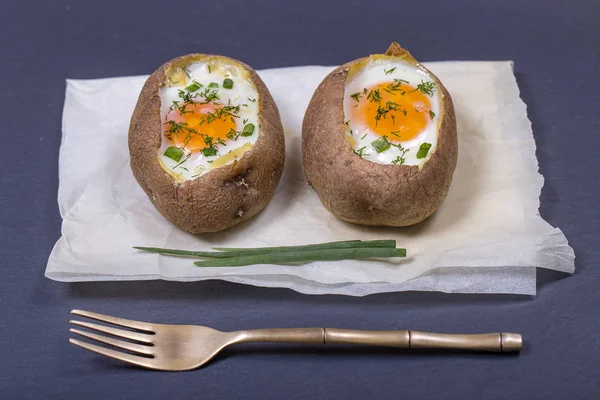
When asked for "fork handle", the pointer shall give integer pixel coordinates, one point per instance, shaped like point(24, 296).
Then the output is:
point(494, 342)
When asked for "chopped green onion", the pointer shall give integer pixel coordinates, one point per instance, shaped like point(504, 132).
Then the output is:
point(193, 87)
point(174, 153)
point(213, 85)
point(227, 83)
point(431, 114)
point(248, 130)
point(381, 144)
point(423, 150)
point(209, 151)
point(304, 256)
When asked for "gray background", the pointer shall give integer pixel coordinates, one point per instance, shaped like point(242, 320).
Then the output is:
point(555, 46)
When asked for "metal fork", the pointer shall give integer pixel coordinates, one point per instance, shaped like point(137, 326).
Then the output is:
point(185, 347)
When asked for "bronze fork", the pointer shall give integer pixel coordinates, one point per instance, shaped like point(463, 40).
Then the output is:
point(185, 347)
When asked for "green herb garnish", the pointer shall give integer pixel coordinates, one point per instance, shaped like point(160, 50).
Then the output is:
point(364, 136)
point(423, 150)
point(389, 71)
point(233, 134)
point(227, 83)
point(431, 114)
point(359, 152)
point(248, 130)
point(381, 144)
point(374, 96)
point(228, 252)
point(174, 153)
point(383, 111)
point(356, 96)
point(400, 159)
point(395, 86)
point(252, 100)
point(213, 85)
point(193, 87)
point(182, 161)
point(176, 128)
point(303, 256)
point(426, 88)
point(353, 249)
point(209, 151)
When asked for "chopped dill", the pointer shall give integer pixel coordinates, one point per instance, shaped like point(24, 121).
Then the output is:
point(359, 152)
point(426, 88)
point(356, 96)
point(182, 161)
point(374, 96)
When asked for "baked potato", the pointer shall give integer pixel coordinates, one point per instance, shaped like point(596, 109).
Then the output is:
point(206, 142)
point(379, 141)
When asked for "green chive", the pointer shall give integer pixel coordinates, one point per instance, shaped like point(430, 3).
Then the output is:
point(381, 144)
point(248, 130)
point(271, 250)
point(318, 246)
point(423, 150)
point(193, 87)
point(209, 151)
point(431, 114)
point(227, 83)
point(304, 256)
point(174, 153)
point(213, 85)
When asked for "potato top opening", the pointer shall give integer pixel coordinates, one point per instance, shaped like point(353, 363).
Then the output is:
point(392, 110)
point(209, 109)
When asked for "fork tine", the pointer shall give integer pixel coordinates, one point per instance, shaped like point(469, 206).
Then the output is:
point(137, 360)
point(139, 337)
point(136, 348)
point(128, 323)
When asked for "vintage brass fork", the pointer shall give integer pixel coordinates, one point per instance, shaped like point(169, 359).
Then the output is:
point(185, 347)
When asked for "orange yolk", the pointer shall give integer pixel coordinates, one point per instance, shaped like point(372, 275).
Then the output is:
point(217, 128)
point(399, 115)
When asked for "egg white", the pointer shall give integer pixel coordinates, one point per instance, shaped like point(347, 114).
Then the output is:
point(358, 133)
point(242, 93)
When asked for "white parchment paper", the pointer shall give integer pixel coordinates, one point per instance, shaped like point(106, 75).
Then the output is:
point(486, 238)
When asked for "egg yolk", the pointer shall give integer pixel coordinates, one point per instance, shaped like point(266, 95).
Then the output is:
point(202, 121)
point(398, 111)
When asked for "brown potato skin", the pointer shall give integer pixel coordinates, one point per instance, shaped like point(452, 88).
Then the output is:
point(222, 197)
point(363, 192)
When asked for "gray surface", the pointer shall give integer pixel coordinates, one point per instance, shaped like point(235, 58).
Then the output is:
point(555, 45)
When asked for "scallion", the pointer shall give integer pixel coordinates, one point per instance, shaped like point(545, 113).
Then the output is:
point(174, 153)
point(227, 83)
point(304, 256)
point(423, 150)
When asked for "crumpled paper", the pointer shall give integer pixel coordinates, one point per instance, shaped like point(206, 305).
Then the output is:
point(487, 237)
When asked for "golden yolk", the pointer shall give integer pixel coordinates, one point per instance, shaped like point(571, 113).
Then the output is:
point(196, 117)
point(398, 112)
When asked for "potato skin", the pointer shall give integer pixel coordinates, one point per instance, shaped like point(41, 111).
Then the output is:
point(363, 192)
point(222, 197)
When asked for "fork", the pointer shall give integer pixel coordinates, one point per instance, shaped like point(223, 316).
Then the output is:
point(186, 347)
